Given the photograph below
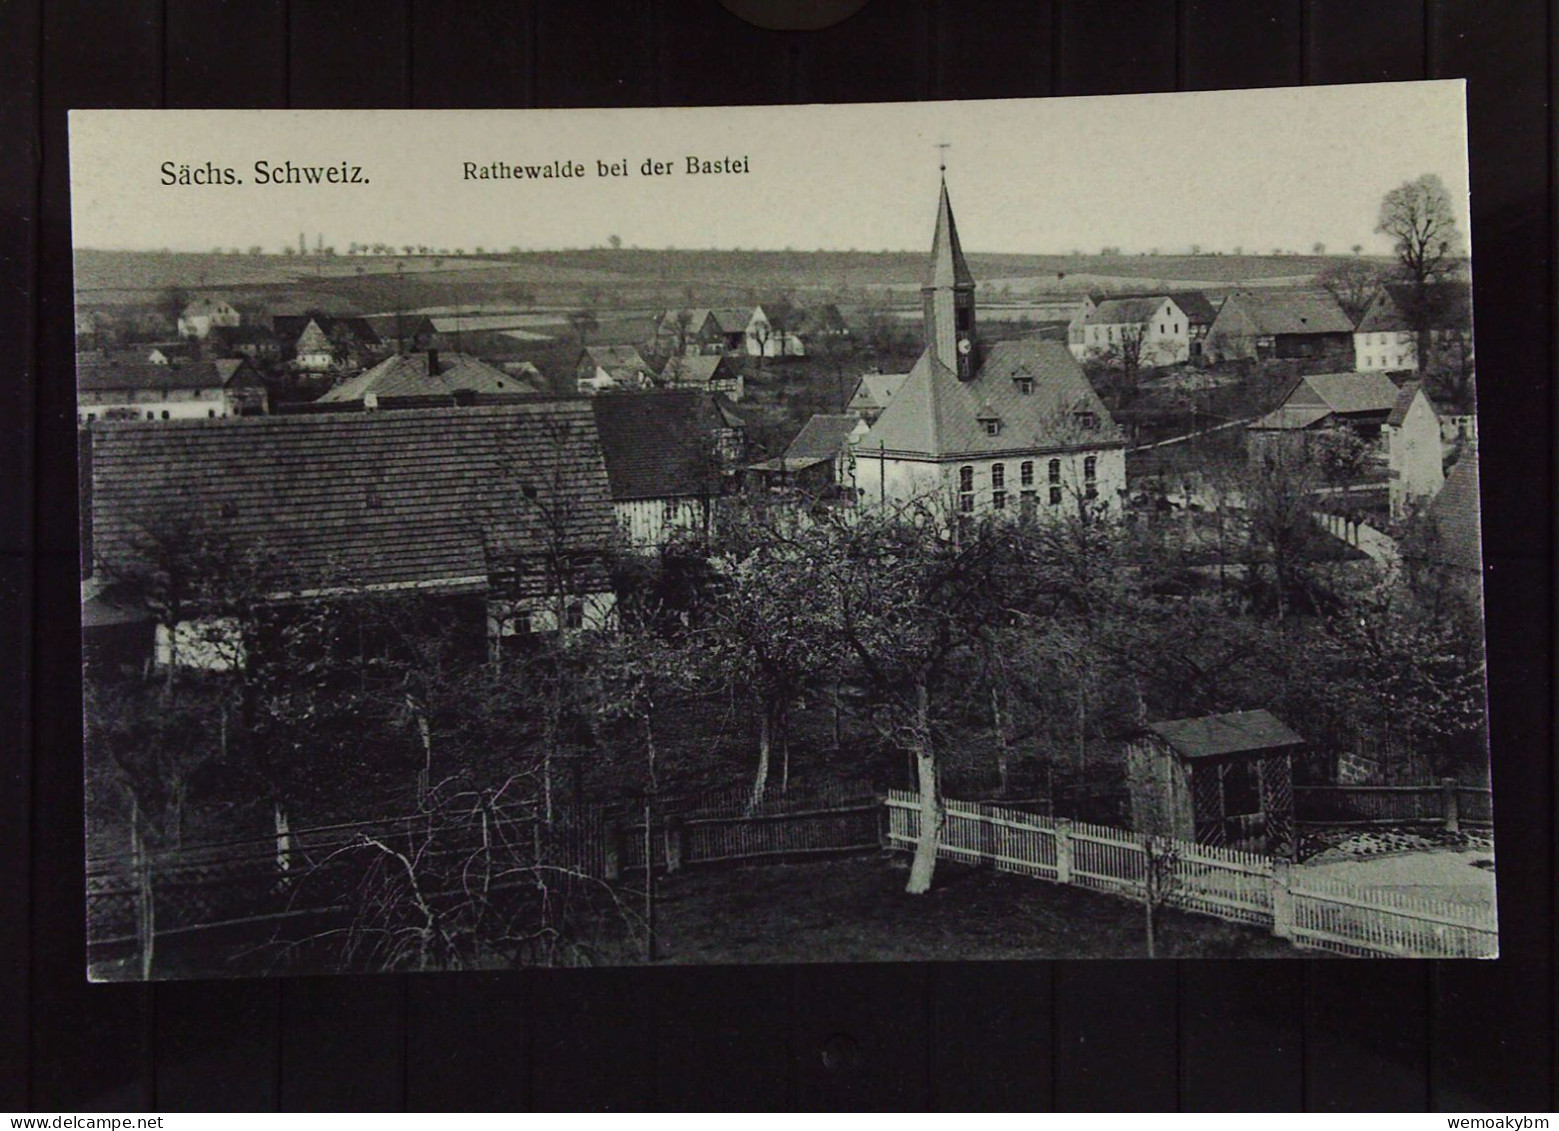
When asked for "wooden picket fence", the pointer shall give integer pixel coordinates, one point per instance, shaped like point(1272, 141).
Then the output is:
point(1445, 803)
point(1242, 887)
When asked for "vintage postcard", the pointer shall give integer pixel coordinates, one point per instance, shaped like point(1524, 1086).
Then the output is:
point(1030, 529)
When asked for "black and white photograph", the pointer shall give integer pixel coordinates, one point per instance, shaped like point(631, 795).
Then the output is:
point(984, 530)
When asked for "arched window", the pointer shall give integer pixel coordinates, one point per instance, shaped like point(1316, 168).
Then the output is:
point(1026, 473)
point(1091, 477)
point(966, 489)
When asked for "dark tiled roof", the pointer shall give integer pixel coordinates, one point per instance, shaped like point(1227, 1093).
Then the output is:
point(432, 497)
point(1346, 393)
point(417, 375)
point(1129, 311)
point(616, 359)
point(876, 390)
point(935, 414)
point(1199, 309)
point(1454, 513)
point(1405, 396)
point(658, 445)
point(1288, 314)
point(101, 373)
point(698, 369)
point(823, 437)
point(1450, 307)
point(1234, 733)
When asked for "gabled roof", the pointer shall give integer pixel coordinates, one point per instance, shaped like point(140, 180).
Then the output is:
point(876, 391)
point(696, 318)
point(1405, 397)
point(658, 445)
point(314, 339)
point(948, 268)
point(1290, 418)
point(1213, 735)
point(824, 436)
point(696, 369)
point(130, 371)
point(936, 415)
point(1346, 393)
point(389, 327)
point(420, 375)
point(206, 306)
point(1450, 307)
point(1199, 309)
point(1131, 311)
point(612, 358)
point(1455, 512)
point(419, 498)
point(1287, 313)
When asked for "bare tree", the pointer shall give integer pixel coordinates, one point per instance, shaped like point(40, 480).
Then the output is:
point(1353, 283)
point(1421, 221)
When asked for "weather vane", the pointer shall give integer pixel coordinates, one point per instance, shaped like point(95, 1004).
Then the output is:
point(942, 148)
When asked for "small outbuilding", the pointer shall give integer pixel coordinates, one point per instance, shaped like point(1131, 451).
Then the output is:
point(1222, 780)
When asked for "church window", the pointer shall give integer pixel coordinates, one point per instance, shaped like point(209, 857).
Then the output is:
point(999, 500)
point(1091, 477)
point(1028, 503)
point(1055, 495)
point(1026, 473)
point(998, 475)
point(966, 489)
point(1054, 471)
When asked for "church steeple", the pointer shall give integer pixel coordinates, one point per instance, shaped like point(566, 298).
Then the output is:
point(947, 297)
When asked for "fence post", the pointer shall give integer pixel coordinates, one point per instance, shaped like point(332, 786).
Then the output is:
point(612, 851)
point(674, 844)
point(1450, 805)
point(1282, 900)
point(1063, 850)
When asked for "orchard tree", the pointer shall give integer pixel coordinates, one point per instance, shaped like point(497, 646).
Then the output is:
point(1420, 219)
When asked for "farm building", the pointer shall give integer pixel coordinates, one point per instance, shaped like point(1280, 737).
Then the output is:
point(202, 315)
point(1413, 450)
point(1321, 402)
point(707, 372)
point(1268, 326)
point(690, 331)
point(1386, 337)
point(603, 369)
point(127, 386)
point(1224, 780)
point(1149, 331)
point(476, 506)
point(426, 377)
point(819, 461)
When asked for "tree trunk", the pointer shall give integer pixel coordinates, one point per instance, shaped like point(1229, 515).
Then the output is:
point(998, 724)
point(765, 740)
point(1152, 928)
point(924, 865)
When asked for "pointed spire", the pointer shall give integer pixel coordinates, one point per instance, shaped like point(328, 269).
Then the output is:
point(948, 268)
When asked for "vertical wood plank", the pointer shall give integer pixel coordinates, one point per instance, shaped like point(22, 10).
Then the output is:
point(218, 1045)
point(720, 1036)
point(1382, 41)
point(594, 53)
point(1231, 44)
point(1115, 46)
point(1241, 1036)
point(466, 1041)
point(343, 1044)
point(880, 54)
point(1367, 1036)
point(1493, 1036)
point(19, 74)
point(348, 54)
point(991, 1026)
point(590, 1044)
point(472, 53)
point(1002, 51)
point(1116, 1036)
point(859, 1037)
point(91, 1046)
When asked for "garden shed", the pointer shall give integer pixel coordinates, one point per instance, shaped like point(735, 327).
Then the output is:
point(1223, 780)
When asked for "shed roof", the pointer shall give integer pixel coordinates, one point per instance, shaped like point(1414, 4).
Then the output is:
point(434, 498)
point(1237, 732)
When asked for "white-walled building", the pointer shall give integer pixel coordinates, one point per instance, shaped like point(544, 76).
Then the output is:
point(202, 315)
point(1014, 428)
point(127, 386)
point(1413, 450)
point(766, 339)
point(1386, 339)
point(1150, 330)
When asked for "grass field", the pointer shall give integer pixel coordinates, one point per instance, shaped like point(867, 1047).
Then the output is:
point(855, 909)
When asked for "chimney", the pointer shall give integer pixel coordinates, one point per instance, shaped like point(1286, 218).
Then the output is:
point(433, 369)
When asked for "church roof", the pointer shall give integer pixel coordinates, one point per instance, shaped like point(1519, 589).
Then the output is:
point(936, 415)
point(948, 268)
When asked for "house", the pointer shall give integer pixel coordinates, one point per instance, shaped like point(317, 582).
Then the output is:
point(773, 336)
point(127, 386)
point(1015, 428)
point(170, 353)
point(820, 461)
point(429, 377)
point(322, 342)
point(252, 340)
point(733, 327)
point(202, 315)
point(314, 351)
point(1279, 325)
point(1223, 780)
point(1386, 337)
point(1147, 331)
point(823, 320)
point(605, 368)
point(502, 511)
point(687, 331)
point(1413, 450)
point(403, 333)
point(1360, 402)
point(666, 461)
point(710, 372)
point(873, 393)
point(1199, 311)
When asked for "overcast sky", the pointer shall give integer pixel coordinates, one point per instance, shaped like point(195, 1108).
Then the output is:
point(1254, 169)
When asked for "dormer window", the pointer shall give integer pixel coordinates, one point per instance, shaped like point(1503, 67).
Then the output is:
point(991, 424)
point(1025, 386)
point(1087, 420)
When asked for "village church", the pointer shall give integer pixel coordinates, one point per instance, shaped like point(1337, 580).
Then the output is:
point(1013, 427)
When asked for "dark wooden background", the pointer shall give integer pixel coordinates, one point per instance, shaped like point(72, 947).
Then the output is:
point(1068, 1035)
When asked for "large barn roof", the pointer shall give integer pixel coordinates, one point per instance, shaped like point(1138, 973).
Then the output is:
point(420, 498)
point(426, 374)
point(658, 445)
